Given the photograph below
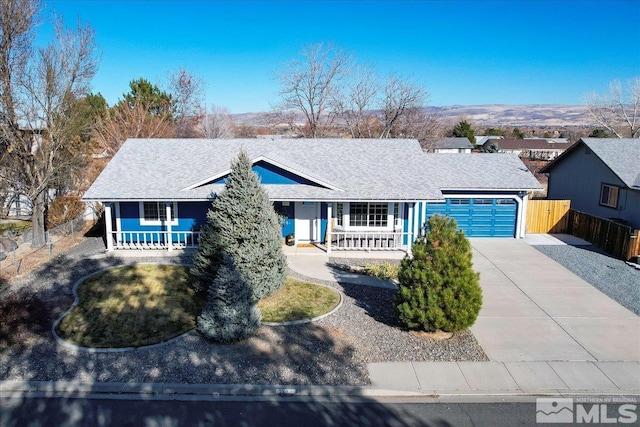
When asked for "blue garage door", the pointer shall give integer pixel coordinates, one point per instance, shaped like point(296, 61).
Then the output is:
point(480, 217)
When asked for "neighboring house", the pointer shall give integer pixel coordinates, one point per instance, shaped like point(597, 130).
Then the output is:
point(453, 145)
point(481, 139)
point(532, 148)
point(361, 193)
point(601, 177)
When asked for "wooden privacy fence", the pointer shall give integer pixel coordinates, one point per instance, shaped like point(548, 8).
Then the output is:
point(617, 239)
point(547, 216)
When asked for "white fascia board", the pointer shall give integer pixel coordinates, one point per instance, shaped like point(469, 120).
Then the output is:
point(272, 162)
point(487, 190)
point(295, 199)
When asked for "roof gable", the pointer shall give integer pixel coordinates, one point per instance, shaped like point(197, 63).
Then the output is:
point(620, 155)
point(269, 172)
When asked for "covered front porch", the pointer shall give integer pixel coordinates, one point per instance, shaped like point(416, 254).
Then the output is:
point(328, 226)
point(348, 226)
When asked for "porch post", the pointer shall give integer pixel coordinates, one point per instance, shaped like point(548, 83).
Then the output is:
point(521, 223)
point(329, 226)
point(410, 220)
point(108, 227)
point(116, 205)
point(169, 230)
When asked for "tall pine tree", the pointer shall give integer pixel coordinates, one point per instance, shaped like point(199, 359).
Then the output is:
point(243, 226)
point(438, 288)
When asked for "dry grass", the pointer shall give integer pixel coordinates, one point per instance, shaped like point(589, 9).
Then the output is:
point(131, 307)
point(298, 300)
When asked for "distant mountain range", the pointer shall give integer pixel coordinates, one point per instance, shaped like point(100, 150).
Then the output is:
point(552, 115)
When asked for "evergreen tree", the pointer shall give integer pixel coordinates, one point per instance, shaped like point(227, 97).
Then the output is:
point(230, 313)
point(242, 225)
point(438, 287)
point(464, 129)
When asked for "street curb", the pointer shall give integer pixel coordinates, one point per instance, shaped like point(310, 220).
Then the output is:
point(221, 391)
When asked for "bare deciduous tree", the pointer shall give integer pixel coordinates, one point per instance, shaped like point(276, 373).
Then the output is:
point(187, 92)
point(399, 96)
point(618, 110)
point(131, 120)
point(38, 88)
point(217, 123)
point(353, 102)
point(307, 85)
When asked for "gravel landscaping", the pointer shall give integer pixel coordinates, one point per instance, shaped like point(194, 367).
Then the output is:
point(331, 351)
point(612, 276)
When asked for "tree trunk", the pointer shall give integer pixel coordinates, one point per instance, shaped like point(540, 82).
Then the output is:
point(37, 221)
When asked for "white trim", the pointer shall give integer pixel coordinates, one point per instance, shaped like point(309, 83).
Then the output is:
point(118, 222)
point(297, 224)
point(108, 226)
point(174, 220)
point(410, 232)
point(608, 203)
point(167, 208)
point(271, 162)
point(346, 210)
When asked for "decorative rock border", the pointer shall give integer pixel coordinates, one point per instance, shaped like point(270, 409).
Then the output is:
point(76, 301)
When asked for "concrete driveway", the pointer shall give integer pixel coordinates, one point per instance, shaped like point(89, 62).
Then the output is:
point(536, 310)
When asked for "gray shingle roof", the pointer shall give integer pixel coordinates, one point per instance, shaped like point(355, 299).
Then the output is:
point(480, 171)
point(454, 142)
point(357, 169)
point(622, 156)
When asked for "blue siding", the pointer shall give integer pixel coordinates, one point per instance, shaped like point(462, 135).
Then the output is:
point(289, 212)
point(270, 174)
point(323, 222)
point(479, 217)
point(406, 222)
point(191, 215)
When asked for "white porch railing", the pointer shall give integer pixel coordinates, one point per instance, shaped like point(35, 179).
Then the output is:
point(366, 240)
point(154, 239)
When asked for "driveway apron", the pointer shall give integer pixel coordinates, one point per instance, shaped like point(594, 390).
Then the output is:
point(536, 310)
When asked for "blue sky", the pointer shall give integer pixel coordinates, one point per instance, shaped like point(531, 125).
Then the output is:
point(463, 52)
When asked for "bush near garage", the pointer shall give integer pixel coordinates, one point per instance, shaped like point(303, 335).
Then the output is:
point(439, 290)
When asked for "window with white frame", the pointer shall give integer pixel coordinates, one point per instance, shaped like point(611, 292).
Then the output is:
point(609, 195)
point(155, 213)
point(368, 214)
point(339, 213)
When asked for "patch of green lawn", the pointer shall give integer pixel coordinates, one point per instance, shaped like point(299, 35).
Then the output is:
point(130, 307)
point(146, 304)
point(298, 300)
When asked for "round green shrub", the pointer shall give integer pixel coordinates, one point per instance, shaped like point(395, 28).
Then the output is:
point(439, 290)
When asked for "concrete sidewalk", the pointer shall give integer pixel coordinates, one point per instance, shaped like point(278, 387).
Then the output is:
point(545, 330)
point(508, 378)
point(312, 262)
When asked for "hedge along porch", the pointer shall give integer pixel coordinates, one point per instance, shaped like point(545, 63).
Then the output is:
point(345, 194)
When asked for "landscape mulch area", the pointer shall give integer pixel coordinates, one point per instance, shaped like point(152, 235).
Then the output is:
point(331, 351)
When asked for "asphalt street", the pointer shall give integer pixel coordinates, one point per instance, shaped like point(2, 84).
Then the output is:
point(98, 411)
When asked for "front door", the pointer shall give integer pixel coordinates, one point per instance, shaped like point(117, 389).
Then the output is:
point(306, 215)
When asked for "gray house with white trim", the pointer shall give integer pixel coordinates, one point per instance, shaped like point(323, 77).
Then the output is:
point(601, 177)
point(372, 194)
